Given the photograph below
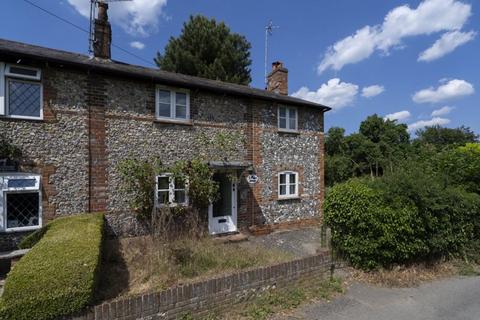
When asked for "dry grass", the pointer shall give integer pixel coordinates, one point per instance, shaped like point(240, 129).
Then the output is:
point(405, 276)
point(141, 264)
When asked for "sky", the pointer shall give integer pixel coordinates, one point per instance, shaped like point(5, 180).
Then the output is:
point(416, 62)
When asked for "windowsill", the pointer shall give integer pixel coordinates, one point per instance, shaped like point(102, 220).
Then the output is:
point(288, 198)
point(288, 131)
point(188, 122)
point(21, 118)
point(22, 229)
point(173, 205)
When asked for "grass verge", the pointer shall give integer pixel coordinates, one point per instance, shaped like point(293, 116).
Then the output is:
point(141, 264)
point(281, 300)
point(58, 276)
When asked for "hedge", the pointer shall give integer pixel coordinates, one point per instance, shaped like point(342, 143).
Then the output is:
point(407, 216)
point(59, 274)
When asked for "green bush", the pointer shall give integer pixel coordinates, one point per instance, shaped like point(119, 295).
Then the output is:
point(58, 276)
point(406, 216)
point(366, 230)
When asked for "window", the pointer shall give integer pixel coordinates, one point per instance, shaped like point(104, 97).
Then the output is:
point(20, 202)
point(287, 119)
point(173, 104)
point(287, 185)
point(171, 191)
point(20, 92)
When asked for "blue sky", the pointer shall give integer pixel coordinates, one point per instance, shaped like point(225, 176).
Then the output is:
point(415, 61)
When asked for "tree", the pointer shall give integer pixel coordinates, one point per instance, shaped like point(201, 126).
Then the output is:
point(208, 49)
point(442, 137)
point(335, 141)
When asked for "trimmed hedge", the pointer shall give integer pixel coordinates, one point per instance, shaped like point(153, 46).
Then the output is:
point(58, 276)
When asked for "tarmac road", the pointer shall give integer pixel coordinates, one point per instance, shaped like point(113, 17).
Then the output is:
point(455, 298)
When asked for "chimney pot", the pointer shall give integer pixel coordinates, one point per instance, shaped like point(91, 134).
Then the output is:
point(277, 80)
point(103, 33)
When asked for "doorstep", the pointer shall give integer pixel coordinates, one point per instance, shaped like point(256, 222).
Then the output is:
point(231, 238)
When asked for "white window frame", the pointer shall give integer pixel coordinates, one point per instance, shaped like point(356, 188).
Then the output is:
point(287, 119)
point(287, 183)
point(6, 190)
point(5, 76)
point(173, 103)
point(171, 191)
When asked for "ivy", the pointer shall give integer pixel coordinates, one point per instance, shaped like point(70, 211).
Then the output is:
point(139, 179)
point(8, 150)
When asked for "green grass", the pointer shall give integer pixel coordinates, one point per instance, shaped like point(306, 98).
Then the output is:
point(286, 299)
point(58, 276)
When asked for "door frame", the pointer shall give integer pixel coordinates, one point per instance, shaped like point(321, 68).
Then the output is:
point(213, 221)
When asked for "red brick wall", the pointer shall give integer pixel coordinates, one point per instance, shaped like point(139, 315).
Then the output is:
point(96, 100)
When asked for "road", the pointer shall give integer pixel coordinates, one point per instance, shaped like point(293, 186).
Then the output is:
point(455, 298)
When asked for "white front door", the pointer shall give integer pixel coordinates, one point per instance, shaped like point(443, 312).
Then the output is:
point(222, 214)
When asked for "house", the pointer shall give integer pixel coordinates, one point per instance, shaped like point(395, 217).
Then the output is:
point(76, 117)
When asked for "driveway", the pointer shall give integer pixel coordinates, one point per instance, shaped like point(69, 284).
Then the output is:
point(453, 299)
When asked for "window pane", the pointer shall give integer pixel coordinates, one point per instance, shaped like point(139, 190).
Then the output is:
point(164, 96)
point(164, 110)
point(163, 197)
point(23, 210)
point(292, 178)
point(163, 183)
point(180, 196)
point(181, 112)
point(22, 183)
point(283, 123)
point(181, 99)
point(283, 190)
point(179, 183)
point(282, 112)
point(292, 113)
point(24, 98)
point(283, 178)
point(292, 189)
point(292, 124)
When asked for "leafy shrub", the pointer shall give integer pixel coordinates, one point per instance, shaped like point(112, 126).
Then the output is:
point(366, 230)
point(59, 274)
point(406, 216)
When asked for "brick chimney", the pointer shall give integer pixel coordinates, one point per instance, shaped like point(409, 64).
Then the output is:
point(103, 33)
point(277, 80)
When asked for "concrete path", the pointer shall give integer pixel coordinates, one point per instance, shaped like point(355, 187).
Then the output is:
point(450, 299)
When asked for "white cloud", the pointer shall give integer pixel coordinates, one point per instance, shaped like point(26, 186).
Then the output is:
point(334, 93)
point(450, 90)
point(137, 45)
point(447, 43)
point(136, 17)
point(372, 91)
point(401, 115)
point(442, 111)
point(428, 123)
point(429, 17)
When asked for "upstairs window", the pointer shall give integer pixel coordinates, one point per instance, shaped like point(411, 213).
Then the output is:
point(20, 92)
point(173, 104)
point(287, 185)
point(287, 119)
point(171, 191)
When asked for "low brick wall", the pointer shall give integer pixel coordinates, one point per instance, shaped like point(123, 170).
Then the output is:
point(217, 294)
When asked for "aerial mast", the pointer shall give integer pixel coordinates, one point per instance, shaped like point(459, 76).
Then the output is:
point(268, 32)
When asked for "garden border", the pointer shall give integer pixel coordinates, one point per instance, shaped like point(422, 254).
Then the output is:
point(211, 295)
